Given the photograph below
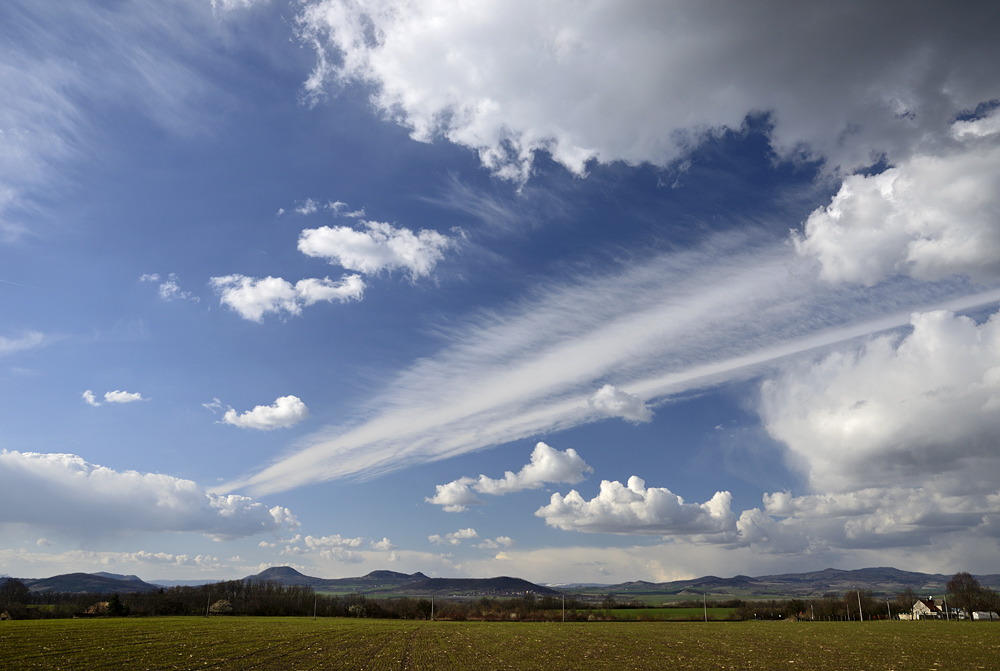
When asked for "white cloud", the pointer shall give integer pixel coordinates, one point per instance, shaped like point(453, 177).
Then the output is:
point(498, 542)
point(233, 5)
point(384, 545)
point(547, 465)
point(455, 496)
point(930, 216)
point(171, 291)
point(38, 563)
point(310, 206)
point(915, 410)
point(634, 509)
point(77, 498)
point(614, 402)
point(642, 81)
point(335, 541)
point(284, 412)
point(381, 247)
point(896, 442)
point(116, 396)
point(252, 298)
point(454, 538)
point(29, 340)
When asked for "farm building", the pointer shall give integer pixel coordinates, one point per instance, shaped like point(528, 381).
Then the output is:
point(923, 609)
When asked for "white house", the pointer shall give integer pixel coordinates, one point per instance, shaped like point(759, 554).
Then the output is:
point(926, 609)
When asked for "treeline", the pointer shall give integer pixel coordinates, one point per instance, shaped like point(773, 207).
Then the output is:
point(268, 598)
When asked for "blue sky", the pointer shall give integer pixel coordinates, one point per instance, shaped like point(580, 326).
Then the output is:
point(594, 292)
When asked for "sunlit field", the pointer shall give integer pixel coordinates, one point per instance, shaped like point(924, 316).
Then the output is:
point(301, 643)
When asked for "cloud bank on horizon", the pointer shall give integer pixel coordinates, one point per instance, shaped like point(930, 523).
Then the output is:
point(860, 330)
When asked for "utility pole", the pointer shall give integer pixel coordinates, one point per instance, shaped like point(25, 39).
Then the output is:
point(861, 613)
point(887, 611)
point(704, 597)
point(315, 601)
point(564, 607)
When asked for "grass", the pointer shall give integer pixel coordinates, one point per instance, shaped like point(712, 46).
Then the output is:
point(230, 643)
point(669, 613)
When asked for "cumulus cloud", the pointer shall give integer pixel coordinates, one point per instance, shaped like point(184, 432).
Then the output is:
point(868, 518)
point(634, 509)
point(905, 410)
point(896, 442)
point(930, 216)
point(643, 81)
point(498, 542)
point(336, 548)
point(75, 497)
point(613, 402)
point(454, 538)
point(284, 412)
point(547, 465)
point(381, 247)
point(384, 545)
point(456, 496)
point(116, 396)
point(252, 298)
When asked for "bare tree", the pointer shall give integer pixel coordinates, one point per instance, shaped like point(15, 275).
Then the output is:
point(965, 592)
point(906, 599)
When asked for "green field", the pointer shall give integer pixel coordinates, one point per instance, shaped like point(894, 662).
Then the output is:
point(668, 613)
point(301, 643)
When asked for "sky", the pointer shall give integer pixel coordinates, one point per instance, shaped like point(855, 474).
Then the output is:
point(576, 291)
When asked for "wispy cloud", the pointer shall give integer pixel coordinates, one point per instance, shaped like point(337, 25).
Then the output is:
point(133, 58)
point(170, 289)
point(29, 340)
point(676, 322)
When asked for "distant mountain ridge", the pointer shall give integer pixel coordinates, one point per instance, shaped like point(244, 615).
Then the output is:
point(883, 581)
point(387, 582)
point(80, 583)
